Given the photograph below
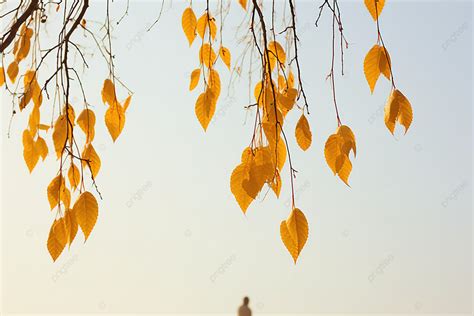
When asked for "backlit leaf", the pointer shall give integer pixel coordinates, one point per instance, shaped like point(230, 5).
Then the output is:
point(41, 147)
point(74, 176)
point(91, 160)
point(375, 7)
point(303, 133)
point(108, 92)
point(239, 175)
point(86, 210)
point(224, 53)
point(57, 238)
point(115, 120)
point(376, 62)
point(188, 23)
point(55, 190)
point(205, 108)
point(195, 75)
point(207, 56)
point(243, 4)
point(294, 233)
point(12, 71)
point(71, 225)
point(398, 108)
point(30, 154)
point(86, 121)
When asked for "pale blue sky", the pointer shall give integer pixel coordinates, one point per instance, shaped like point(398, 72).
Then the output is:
point(170, 236)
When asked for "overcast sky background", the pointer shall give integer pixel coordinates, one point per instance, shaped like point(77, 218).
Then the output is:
point(170, 237)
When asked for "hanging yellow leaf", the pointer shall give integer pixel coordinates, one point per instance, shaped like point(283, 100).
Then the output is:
point(71, 225)
point(195, 75)
point(375, 7)
point(243, 4)
point(74, 176)
point(33, 121)
point(86, 210)
point(349, 140)
point(57, 238)
point(66, 197)
point(276, 184)
point(214, 83)
point(205, 108)
point(126, 103)
point(91, 160)
point(261, 170)
point(239, 175)
point(294, 233)
point(276, 52)
point(224, 53)
point(189, 22)
point(12, 71)
point(303, 133)
point(86, 121)
point(376, 62)
point(398, 108)
point(108, 92)
point(41, 147)
point(2, 76)
point(55, 190)
point(115, 120)
point(207, 56)
point(204, 23)
point(30, 154)
point(336, 152)
point(61, 132)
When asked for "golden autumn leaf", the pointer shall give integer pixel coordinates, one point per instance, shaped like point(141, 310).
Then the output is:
point(71, 225)
point(91, 160)
point(41, 147)
point(207, 56)
point(260, 171)
point(276, 184)
point(204, 23)
point(303, 133)
point(188, 23)
point(294, 233)
point(2, 76)
point(276, 52)
point(126, 103)
point(398, 108)
point(61, 132)
point(224, 53)
point(239, 175)
point(30, 154)
point(56, 190)
point(205, 108)
point(74, 176)
point(375, 7)
point(12, 71)
point(57, 238)
point(108, 92)
point(376, 62)
point(243, 4)
point(336, 152)
point(86, 210)
point(195, 75)
point(86, 121)
point(66, 197)
point(33, 121)
point(115, 120)
point(214, 84)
